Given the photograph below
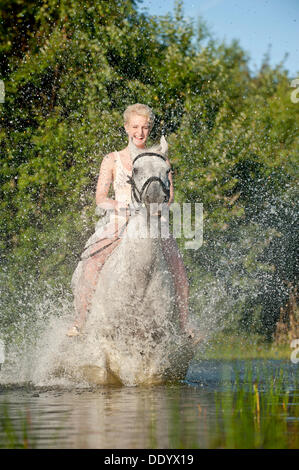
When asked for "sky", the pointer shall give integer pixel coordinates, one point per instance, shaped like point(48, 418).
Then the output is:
point(257, 24)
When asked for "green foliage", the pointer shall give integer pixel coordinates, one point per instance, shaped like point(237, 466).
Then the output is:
point(71, 69)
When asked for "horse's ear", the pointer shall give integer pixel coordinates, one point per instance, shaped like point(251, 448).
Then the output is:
point(163, 145)
point(134, 151)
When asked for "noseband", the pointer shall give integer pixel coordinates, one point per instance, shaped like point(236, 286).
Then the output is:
point(135, 191)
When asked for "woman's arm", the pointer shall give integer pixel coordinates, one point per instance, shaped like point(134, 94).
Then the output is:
point(103, 185)
point(171, 188)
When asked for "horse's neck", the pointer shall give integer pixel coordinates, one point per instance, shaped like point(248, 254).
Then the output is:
point(141, 227)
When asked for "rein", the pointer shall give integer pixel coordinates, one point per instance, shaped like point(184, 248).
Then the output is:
point(106, 246)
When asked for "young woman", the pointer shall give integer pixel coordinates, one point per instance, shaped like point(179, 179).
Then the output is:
point(138, 122)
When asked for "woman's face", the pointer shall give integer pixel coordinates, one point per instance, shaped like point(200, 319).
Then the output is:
point(138, 128)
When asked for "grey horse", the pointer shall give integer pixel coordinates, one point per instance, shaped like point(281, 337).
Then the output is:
point(132, 333)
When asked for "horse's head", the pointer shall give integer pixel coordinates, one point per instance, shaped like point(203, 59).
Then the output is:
point(150, 183)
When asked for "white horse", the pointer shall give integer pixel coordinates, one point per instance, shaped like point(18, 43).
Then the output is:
point(132, 333)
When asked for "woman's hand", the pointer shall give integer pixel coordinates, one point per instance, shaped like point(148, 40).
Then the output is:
point(171, 189)
point(121, 206)
point(123, 209)
point(171, 199)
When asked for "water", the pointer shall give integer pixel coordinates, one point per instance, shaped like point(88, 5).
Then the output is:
point(220, 404)
point(189, 414)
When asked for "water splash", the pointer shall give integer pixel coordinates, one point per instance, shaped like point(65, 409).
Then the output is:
point(40, 353)
point(236, 277)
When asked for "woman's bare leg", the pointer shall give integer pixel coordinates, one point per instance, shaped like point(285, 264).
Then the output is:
point(86, 288)
point(83, 295)
point(175, 262)
point(88, 281)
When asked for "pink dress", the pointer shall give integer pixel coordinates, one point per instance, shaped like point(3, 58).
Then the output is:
point(102, 243)
point(106, 238)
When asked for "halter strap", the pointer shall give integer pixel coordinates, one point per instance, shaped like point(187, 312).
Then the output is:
point(148, 154)
point(134, 190)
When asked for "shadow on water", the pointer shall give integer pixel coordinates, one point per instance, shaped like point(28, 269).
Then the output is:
point(226, 404)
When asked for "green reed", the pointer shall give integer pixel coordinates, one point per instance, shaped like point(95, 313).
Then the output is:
point(15, 435)
point(257, 412)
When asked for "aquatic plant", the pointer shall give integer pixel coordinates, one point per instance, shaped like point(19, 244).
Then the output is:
point(12, 435)
point(257, 412)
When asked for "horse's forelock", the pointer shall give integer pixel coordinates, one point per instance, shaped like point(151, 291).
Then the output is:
point(155, 149)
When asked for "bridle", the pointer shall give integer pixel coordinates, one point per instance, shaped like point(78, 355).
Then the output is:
point(139, 193)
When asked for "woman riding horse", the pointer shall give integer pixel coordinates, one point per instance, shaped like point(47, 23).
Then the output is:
point(115, 168)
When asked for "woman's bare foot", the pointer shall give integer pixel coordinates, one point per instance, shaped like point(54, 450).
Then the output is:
point(195, 336)
point(73, 331)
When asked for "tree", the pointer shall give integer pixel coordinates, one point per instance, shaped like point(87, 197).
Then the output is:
point(70, 71)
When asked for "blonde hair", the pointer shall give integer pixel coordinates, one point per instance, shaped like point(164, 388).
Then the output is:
point(142, 110)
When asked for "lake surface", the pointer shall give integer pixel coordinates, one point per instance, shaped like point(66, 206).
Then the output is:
point(193, 414)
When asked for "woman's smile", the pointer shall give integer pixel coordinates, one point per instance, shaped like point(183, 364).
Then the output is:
point(138, 128)
point(139, 139)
